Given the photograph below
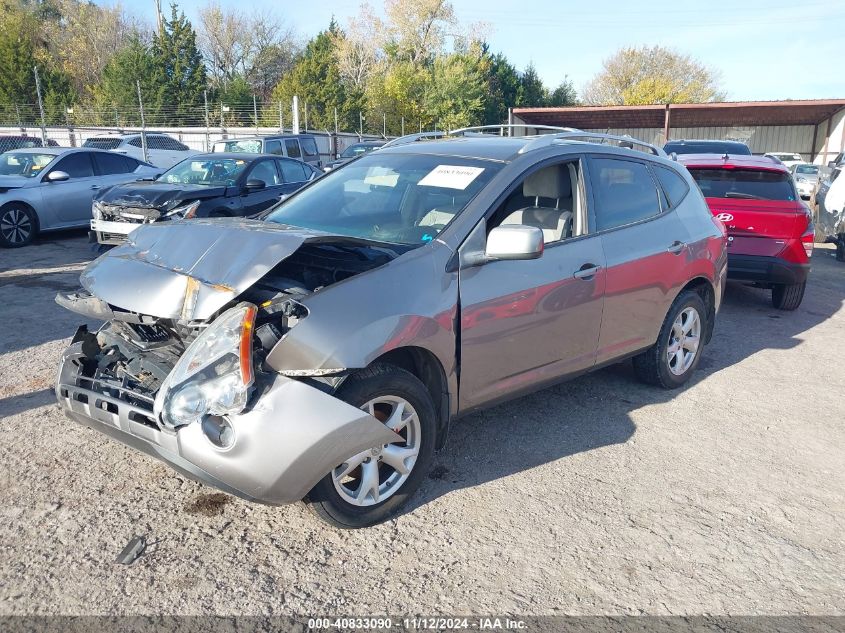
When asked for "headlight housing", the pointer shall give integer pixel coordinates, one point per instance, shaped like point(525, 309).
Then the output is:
point(97, 210)
point(214, 374)
point(186, 210)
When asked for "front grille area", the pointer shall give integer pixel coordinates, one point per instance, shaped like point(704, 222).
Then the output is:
point(137, 215)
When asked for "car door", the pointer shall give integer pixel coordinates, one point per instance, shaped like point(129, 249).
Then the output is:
point(294, 174)
point(644, 245)
point(70, 200)
point(527, 323)
point(292, 149)
point(256, 201)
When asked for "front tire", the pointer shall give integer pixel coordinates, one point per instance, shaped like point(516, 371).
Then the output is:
point(671, 361)
point(372, 486)
point(788, 296)
point(18, 226)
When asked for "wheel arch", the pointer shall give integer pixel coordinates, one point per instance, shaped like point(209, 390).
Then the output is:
point(425, 366)
point(22, 203)
point(704, 288)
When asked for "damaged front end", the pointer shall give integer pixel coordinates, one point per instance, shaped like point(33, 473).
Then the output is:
point(178, 369)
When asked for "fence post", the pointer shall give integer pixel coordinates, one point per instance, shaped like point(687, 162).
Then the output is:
point(403, 126)
point(143, 122)
point(281, 120)
point(207, 135)
point(306, 116)
point(255, 113)
point(40, 105)
point(335, 121)
point(384, 124)
point(295, 113)
point(18, 113)
point(360, 124)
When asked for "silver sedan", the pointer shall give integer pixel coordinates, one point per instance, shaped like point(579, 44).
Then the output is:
point(51, 188)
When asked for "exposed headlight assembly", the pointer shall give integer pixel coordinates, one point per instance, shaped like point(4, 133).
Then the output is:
point(214, 374)
point(186, 210)
point(97, 210)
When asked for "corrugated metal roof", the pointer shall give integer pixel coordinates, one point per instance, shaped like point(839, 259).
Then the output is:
point(726, 113)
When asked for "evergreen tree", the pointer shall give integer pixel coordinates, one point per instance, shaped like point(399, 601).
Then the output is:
point(117, 91)
point(504, 89)
point(563, 95)
point(179, 72)
point(533, 92)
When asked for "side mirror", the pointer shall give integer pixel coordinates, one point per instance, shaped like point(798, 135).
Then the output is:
point(831, 163)
point(253, 184)
point(514, 242)
point(57, 176)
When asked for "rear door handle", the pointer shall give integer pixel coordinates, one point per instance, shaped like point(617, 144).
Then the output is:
point(587, 271)
point(676, 247)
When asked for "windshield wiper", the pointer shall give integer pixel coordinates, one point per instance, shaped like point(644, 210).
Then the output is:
point(739, 194)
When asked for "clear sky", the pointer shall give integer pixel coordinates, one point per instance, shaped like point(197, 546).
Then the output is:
point(764, 49)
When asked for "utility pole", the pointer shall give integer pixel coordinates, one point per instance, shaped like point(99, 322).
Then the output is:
point(207, 136)
point(40, 105)
point(143, 123)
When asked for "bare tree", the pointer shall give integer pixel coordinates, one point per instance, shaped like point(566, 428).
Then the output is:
point(359, 47)
point(419, 28)
point(652, 75)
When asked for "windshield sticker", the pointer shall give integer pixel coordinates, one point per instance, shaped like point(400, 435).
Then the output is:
point(382, 177)
point(450, 176)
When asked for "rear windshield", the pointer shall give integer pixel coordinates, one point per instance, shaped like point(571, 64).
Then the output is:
point(807, 169)
point(102, 143)
point(748, 184)
point(251, 146)
point(712, 147)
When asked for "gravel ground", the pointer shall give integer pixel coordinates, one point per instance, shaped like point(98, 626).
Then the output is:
point(599, 496)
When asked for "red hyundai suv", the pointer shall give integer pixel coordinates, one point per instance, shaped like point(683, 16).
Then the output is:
point(770, 231)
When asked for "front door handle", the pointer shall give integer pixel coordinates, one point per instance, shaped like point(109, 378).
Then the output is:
point(587, 271)
point(676, 247)
point(95, 187)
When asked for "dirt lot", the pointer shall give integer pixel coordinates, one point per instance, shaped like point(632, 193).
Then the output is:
point(597, 496)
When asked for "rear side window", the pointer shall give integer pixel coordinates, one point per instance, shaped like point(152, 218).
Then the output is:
point(674, 186)
point(273, 147)
point(292, 148)
point(136, 142)
point(309, 149)
point(293, 171)
point(165, 143)
point(102, 143)
point(749, 184)
point(76, 165)
point(625, 192)
point(113, 163)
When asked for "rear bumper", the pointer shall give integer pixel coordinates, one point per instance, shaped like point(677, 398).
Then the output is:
point(283, 444)
point(772, 270)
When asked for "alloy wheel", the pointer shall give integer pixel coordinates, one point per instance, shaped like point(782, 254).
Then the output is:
point(375, 474)
point(684, 340)
point(15, 226)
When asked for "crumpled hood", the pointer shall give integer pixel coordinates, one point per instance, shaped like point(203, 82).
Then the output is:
point(190, 269)
point(157, 195)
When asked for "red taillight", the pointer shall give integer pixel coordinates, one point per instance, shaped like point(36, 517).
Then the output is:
point(808, 240)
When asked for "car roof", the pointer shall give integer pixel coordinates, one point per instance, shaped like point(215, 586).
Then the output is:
point(732, 161)
point(50, 149)
point(238, 155)
point(263, 137)
point(496, 148)
point(704, 141)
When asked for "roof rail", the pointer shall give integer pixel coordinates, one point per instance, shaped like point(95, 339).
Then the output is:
point(547, 139)
point(413, 138)
point(510, 127)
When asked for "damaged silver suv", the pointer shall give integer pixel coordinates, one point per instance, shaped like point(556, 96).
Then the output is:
point(321, 351)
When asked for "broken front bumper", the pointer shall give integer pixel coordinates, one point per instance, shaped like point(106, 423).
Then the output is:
point(289, 439)
point(111, 232)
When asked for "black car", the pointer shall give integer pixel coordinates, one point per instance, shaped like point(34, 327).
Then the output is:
point(204, 185)
point(9, 143)
point(353, 151)
point(704, 146)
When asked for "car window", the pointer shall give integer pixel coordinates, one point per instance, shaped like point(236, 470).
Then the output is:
point(220, 172)
point(624, 192)
point(292, 148)
point(102, 143)
point(113, 163)
point(76, 165)
point(674, 186)
point(309, 149)
point(549, 199)
point(751, 184)
point(273, 147)
point(265, 170)
point(396, 198)
point(136, 142)
point(807, 169)
point(293, 171)
point(158, 141)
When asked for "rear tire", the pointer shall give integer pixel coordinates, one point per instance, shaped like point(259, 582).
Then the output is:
point(788, 296)
point(337, 499)
point(671, 361)
point(18, 226)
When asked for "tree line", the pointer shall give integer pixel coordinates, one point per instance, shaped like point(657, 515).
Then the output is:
point(416, 65)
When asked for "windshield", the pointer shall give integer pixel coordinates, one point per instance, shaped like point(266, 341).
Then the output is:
point(807, 169)
point(398, 198)
point(252, 146)
point(217, 172)
point(356, 150)
point(744, 183)
point(23, 163)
